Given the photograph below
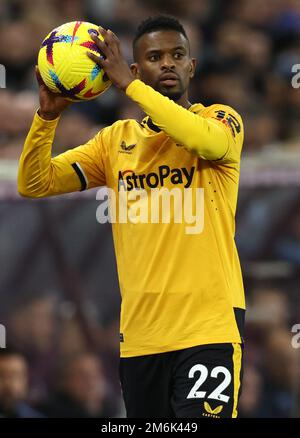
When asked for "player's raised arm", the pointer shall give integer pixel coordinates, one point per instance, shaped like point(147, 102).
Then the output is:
point(158, 81)
point(41, 175)
point(214, 134)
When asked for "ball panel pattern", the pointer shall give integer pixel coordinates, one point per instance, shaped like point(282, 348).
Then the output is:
point(65, 66)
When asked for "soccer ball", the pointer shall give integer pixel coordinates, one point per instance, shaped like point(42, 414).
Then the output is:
point(64, 65)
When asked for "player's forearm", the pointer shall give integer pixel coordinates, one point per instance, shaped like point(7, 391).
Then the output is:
point(35, 176)
point(203, 136)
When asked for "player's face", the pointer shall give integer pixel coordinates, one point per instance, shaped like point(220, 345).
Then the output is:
point(163, 61)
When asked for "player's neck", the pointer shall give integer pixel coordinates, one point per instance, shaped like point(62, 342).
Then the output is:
point(184, 101)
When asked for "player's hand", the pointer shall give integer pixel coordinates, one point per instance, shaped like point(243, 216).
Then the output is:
point(112, 61)
point(51, 104)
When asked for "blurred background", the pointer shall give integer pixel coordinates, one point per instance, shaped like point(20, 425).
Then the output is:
point(58, 283)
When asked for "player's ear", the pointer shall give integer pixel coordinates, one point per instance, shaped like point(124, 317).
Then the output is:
point(135, 70)
point(192, 67)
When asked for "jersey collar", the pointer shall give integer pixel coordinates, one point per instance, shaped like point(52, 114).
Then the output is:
point(151, 125)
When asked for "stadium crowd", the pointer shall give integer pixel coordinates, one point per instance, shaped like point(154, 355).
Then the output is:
point(246, 50)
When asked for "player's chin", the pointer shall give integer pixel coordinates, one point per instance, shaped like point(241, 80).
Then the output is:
point(173, 93)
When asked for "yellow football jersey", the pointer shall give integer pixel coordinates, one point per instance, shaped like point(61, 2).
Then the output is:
point(180, 281)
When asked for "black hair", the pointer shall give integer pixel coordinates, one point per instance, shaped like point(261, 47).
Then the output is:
point(156, 23)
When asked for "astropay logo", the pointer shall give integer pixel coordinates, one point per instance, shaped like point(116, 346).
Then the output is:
point(143, 198)
point(129, 180)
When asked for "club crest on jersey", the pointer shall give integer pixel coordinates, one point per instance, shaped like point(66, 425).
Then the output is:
point(126, 149)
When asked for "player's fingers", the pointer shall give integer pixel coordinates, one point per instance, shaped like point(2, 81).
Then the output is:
point(102, 31)
point(113, 36)
point(114, 41)
point(97, 59)
point(110, 39)
point(109, 36)
point(102, 46)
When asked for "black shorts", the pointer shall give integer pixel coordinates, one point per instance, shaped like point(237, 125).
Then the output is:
point(197, 382)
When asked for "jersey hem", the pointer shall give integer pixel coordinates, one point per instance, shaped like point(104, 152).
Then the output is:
point(179, 346)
